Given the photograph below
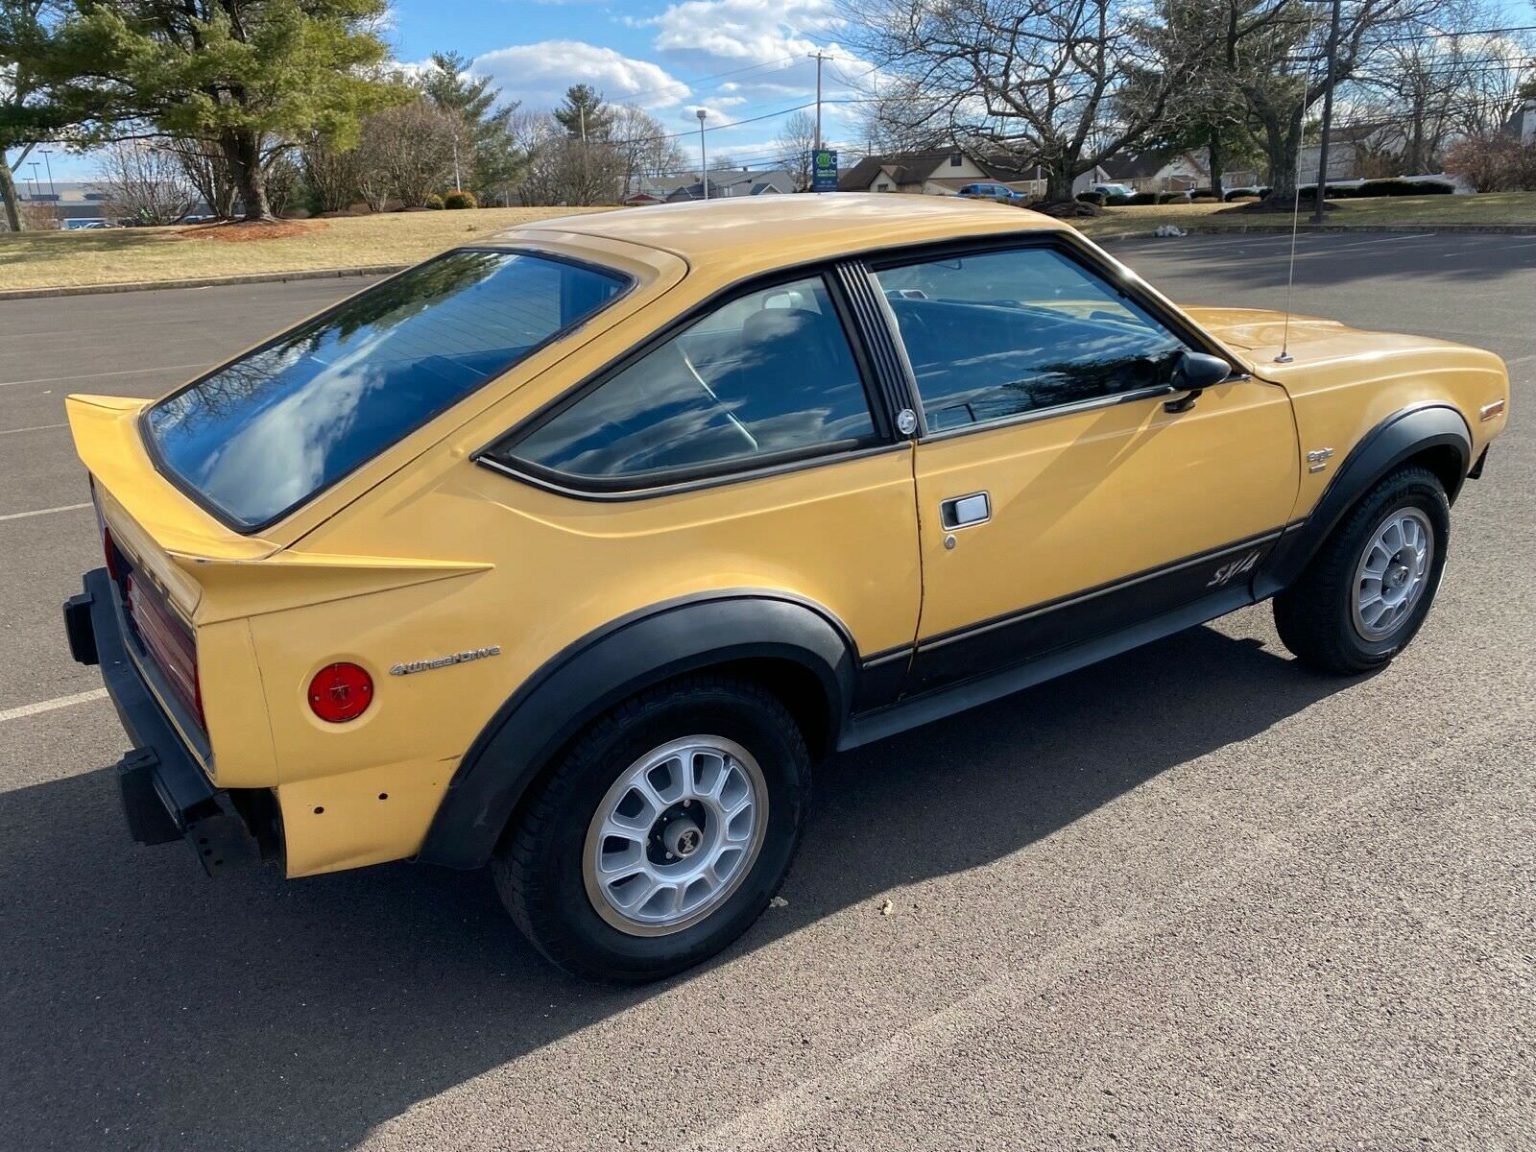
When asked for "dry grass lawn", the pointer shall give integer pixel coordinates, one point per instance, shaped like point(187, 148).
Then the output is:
point(1379, 211)
point(127, 255)
point(130, 255)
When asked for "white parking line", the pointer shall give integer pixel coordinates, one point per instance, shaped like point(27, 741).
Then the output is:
point(51, 705)
point(34, 428)
point(103, 375)
point(43, 512)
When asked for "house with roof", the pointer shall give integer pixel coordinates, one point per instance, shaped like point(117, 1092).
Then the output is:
point(935, 172)
point(724, 183)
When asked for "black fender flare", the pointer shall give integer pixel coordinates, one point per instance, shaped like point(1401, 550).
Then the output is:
point(610, 665)
point(1399, 437)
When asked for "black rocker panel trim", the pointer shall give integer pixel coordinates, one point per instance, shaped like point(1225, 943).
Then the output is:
point(937, 705)
point(1396, 439)
point(1085, 616)
point(603, 669)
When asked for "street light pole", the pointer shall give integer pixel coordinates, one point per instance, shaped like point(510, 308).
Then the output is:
point(1320, 196)
point(48, 166)
point(703, 154)
point(33, 164)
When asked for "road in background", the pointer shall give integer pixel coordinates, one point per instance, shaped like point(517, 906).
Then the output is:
point(1192, 898)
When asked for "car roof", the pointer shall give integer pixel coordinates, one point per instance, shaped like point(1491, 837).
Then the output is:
point(766, 232)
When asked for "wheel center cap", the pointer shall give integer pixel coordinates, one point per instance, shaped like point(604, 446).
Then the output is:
point(683, 838)
point(1398, 576)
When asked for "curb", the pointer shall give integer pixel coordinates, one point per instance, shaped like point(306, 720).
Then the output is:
point(200, 282)
point(1285, 230)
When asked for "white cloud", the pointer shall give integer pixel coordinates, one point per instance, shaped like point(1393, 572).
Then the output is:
point(539, 74)
point(757, 30)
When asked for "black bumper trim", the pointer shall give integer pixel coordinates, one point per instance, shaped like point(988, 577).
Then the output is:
point(165, 793)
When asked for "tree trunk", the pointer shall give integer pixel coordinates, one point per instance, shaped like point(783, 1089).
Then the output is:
point(1058, 182)
point(8, 194)
point(242, 148)
point(1215, 161)
point(1282, 148)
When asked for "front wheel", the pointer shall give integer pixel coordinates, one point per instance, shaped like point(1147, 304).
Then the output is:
point(1367, 591)
point(662, 833)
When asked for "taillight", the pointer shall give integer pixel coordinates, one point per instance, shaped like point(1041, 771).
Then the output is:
point(114, 557)
point(168, 641)
point(340, 692)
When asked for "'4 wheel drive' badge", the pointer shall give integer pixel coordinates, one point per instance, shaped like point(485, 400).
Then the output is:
point(445, 661)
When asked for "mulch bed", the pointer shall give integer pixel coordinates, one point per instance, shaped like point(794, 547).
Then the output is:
point(239, 231)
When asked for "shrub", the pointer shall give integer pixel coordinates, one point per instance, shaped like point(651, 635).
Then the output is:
point(1404, 188)
point(460, 200)
point(1173, 197)
point(1494, 164)
point(1144, 198)
point(1097, 199)
point(433, 201)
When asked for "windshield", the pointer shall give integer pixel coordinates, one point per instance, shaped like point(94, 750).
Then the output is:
point(272, 429)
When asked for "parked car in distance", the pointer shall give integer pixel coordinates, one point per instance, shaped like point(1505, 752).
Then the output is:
point(999, 192)
point(1109, 190)
point(572, 551)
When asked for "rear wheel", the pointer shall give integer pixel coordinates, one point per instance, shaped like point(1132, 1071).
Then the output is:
point(662, 833)
point(1367, 591)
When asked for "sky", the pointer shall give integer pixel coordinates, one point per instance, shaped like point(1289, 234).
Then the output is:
point(737, 59)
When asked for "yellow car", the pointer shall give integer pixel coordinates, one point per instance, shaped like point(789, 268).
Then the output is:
point(571, 552)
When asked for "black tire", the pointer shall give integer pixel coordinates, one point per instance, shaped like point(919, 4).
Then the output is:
point(539, 867)
point(1315, 615)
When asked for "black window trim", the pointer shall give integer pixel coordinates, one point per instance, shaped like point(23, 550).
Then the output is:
point(673, 481)
point(627, 285)
point(1067, 246)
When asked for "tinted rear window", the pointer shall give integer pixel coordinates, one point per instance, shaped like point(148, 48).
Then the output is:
point(269, 431)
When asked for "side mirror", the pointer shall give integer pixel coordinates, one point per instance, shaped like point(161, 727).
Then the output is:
point(1192, 375)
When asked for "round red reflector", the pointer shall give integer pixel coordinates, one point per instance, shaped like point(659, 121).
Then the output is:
point(340, 692)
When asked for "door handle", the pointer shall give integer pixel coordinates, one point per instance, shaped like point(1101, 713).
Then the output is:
point(965, 511)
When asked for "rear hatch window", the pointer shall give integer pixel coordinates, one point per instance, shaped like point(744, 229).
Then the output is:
point(267, 432)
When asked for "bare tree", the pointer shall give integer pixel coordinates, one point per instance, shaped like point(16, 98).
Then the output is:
point(407, 153)
point(333, 176)
point(797, 145)
point(143, 181)
point(564, 169)
point(646, 149)
point(1035, 79)
point(902, 118)
point(207, 169)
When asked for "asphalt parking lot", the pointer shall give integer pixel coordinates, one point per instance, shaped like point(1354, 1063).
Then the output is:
point(1192, 898)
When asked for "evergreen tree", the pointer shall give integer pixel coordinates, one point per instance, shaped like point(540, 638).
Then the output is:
point(490, 158)
point(584, 115)
point(251, 76)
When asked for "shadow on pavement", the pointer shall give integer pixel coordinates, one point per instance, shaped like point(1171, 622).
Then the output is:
point(142, 1006)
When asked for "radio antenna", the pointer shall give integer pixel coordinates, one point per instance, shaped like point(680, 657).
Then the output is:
point(1285, 356)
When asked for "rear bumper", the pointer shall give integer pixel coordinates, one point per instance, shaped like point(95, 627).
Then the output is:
point(165, 794)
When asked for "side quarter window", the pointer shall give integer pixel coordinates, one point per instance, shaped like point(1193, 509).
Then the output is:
point(768, 375)
point(994, 335)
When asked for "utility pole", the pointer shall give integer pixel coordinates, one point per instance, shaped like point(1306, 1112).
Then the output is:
point(818, 56)
point(48, 167)
point(703, 154)
point(34, 166)
point(1320, 197)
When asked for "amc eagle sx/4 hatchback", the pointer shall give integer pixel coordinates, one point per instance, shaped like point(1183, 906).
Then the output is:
point(570, 553)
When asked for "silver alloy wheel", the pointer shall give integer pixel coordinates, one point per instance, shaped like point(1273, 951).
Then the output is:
point(1393, 573)
point(675, 836)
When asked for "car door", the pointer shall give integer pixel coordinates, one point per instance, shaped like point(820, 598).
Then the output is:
point(1062, 496)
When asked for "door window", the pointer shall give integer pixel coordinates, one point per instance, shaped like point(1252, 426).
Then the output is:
point(995, 335)
point(765, 376)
